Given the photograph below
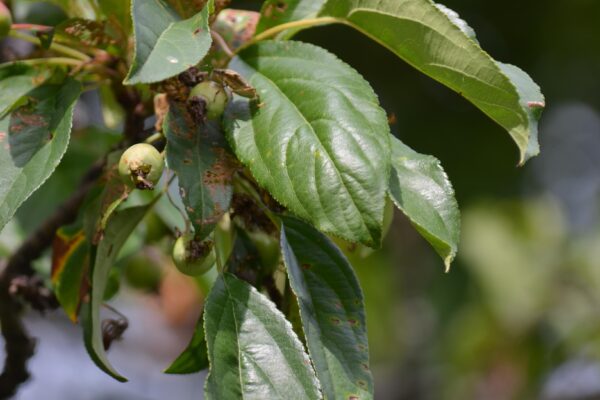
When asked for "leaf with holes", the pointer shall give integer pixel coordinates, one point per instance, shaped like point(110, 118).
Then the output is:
point(318, 141)
point(166, 45)
point(421, 190)
point(332, 310)
point(252, 349)
point(32, 142)
point(199, 155)
point(194, 358)
point(119, 226)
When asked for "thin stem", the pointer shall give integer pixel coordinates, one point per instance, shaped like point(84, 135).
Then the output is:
point(154, 138)
point(52, 60)
point(222, 43)
point(305, 23)
point(30, 27)
point(59, 48)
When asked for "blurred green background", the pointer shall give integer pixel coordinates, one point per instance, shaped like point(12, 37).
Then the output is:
point(518, 316)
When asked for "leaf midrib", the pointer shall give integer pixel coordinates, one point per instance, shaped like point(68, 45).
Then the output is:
point(318, 140)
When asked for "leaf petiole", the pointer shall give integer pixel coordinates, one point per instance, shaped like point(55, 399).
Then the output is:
point(59, 48)
point(304, 23)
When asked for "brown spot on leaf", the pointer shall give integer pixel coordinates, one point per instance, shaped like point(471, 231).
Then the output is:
point(306, 266)
point(335, 320)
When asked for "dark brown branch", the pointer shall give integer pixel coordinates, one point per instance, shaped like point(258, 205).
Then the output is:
point(18, 345)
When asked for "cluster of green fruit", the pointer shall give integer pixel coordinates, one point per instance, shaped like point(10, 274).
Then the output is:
point(141, 167)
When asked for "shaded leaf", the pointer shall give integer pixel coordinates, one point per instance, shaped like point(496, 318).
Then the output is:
point(438, 43)
point(253, 352)
point(318, 141)
point(244, 260)
point(120, 225)
point(332, 310)
point(32, 142)
point(16, 80)
point(199, 155)
point(70, 259)
point(166, 45)
point(194, 358)
point(421, 190)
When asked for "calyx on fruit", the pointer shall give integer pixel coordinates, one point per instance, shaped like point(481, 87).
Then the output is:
point(193, 257)
point(210, 98)
point(5, 20)
point(141, 166)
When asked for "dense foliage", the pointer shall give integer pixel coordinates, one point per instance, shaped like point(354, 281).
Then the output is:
point(272, 151)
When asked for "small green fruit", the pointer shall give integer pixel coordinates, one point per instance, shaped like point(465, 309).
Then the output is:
point(192, 257)
point(215, 95)
point(141, 166)
point(5, 20)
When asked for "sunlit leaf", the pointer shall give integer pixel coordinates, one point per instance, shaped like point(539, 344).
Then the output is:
point(318, 141)
point(332, 310)
point(252, 349)
point(166, 45)
point(421, 190)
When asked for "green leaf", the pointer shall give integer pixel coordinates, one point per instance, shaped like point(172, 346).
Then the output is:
point(332, 310)
point(318, 141)
point(438, 43)
point(166, 45)
point(421, 190)
point(199, 155)
point(253, 352)
point(120, 225)
point(16, 80)
point(32, 142)
point(194, 358)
